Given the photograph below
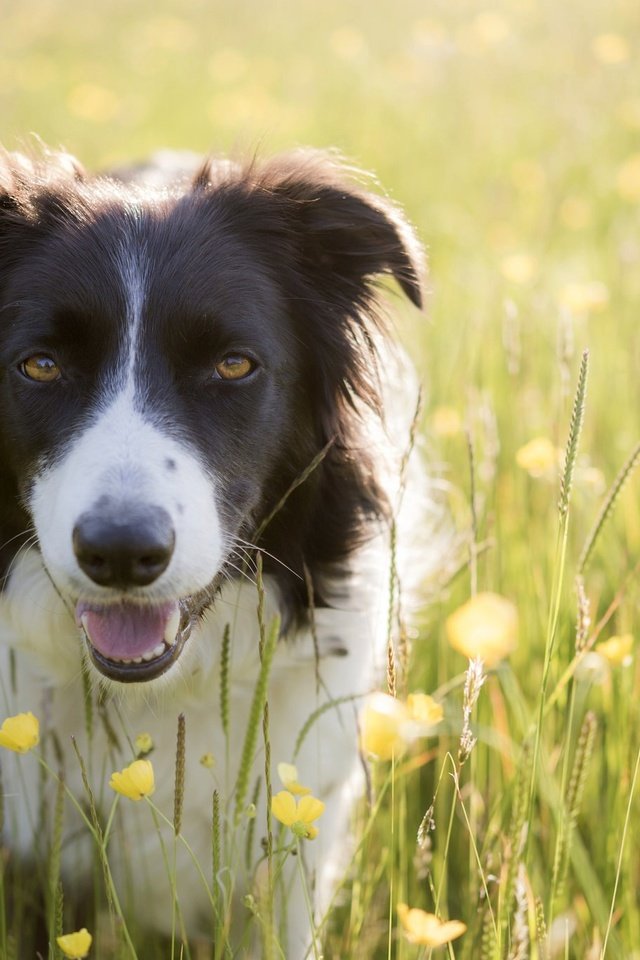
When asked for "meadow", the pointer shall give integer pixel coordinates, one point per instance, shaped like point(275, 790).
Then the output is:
point(510, 134)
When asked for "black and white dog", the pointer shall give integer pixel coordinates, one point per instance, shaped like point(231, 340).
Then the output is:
point(174, 355)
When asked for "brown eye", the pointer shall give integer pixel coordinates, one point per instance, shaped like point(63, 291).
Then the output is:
point(234, 367)
point(40, 367)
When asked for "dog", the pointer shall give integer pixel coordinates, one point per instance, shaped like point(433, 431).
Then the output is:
point(194, 367)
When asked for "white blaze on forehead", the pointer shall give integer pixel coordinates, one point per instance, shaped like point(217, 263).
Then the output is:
point(133, 268)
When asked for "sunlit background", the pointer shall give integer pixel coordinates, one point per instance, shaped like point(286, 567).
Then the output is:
point(510, 134)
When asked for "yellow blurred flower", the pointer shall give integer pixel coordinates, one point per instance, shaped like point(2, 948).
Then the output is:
point(501, 235)
point(430, 33)
point(486, 627)
point(92, 102)
point(628, 180)
point(382, 723)
point(348, 44)
point(628, 112)
point(618, 650)
point(135, 781)
point(538, 456)
point(176, 34)
point(207, 760)
point(490, 28)
point(424, 710)
point(575, 213)
point(297, 814)
point(76, 945)
point(227, 65)
point(446, 421)
point(388, 725)
point(591, 296)
point(426, 929)
point(610, 48)
point(527, 176)
point(519, 268)
point(143, 743)
point(288, 774)
point(20, 733)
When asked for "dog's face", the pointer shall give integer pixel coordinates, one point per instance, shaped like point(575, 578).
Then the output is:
point(165, 378)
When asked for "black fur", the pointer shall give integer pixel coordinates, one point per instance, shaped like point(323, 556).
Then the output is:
point(281, 256)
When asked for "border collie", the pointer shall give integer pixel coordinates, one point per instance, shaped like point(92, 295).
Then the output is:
point(192, 371)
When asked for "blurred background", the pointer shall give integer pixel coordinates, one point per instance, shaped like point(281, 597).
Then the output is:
point(510, 133)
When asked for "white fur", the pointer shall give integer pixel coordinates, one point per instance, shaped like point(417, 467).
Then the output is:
point(35, 621)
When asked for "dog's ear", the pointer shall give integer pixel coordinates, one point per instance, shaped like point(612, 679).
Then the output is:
point(347, 235)
point(34, 194)
point(30, 186)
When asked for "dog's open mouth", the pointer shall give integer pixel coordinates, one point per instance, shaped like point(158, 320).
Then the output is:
point(133, 643)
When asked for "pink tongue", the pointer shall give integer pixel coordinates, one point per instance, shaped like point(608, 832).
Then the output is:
point(126, 630)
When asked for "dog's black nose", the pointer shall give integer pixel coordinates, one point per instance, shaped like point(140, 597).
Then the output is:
point(131, 549)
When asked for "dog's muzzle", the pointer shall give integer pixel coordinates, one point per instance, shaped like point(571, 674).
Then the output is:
point(129, 641)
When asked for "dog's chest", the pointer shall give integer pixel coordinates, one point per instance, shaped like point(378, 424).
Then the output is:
point(312, 721)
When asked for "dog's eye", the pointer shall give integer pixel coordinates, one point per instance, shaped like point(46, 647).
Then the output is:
point(234, 367)
point(40, 367)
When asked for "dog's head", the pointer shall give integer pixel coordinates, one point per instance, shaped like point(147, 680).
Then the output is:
point(171, 360)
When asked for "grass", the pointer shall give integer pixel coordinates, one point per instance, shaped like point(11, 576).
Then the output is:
point(510, 135)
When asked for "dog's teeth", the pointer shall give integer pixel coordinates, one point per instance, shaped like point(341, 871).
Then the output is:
point(155, 653)
point(171, 629)
point(84, 619)
point(137, 660)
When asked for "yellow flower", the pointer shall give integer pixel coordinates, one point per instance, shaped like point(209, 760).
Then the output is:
point(427, 929)
point(94, 103)
point(629, 179)
point(628, 112)
point(584, 298)
point(382, 725)
point(297, 814)
point(348, 44)
point(207, 760)
point(538, 456)
point(143, 743)
point(135, 781)
point(446, 421)
point(610, 48)
point(424, 710)
point(75, 946)
point(289, 776)
point(519, 268)
point(485, 627)
point(575, 213)
point(617, 650)
point(388, 726)
point(20, 733)
point(490, 28)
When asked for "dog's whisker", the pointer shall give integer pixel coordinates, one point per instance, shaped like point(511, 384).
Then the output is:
point(272, 556)
point(18, 554)
point(28, 530)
